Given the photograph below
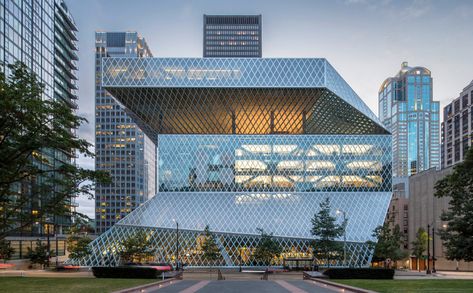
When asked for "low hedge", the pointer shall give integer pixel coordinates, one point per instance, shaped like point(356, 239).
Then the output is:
point(125, 272)
point(359, 273)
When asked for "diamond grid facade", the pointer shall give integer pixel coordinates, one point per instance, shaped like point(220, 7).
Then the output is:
point(241, 150)
point(230, 73)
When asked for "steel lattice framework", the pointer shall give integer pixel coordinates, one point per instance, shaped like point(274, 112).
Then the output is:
point(246, 144)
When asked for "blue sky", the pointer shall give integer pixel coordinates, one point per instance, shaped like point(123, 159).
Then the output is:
point(365, 40)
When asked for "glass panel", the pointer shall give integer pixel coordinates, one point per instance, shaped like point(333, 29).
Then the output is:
point(264, 163)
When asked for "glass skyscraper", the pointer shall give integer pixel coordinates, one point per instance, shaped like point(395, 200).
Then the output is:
point(248, 143)
point(121, 147)
point(232, 36)
point(42, 35)
point(407, 109)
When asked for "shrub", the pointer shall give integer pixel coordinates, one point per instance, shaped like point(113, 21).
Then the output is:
point(359, 273)
point(125, 272)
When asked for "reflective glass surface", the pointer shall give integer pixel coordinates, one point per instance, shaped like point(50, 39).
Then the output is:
point(274, 163)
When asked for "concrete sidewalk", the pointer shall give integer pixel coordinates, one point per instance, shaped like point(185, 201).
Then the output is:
point(416, 275)
point(45, 274)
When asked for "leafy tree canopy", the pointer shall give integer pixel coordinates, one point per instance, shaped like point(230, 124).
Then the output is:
point(388, 245)
point(135, 247)
point(78, 246)
point(37, 137)
point(39, 255)
point(458, 186)
point(419, 245)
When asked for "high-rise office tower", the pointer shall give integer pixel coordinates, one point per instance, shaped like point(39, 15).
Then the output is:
point(121, 147)
point(457, 127)
point(42, 35)
point(407, 109)
point(232, 36)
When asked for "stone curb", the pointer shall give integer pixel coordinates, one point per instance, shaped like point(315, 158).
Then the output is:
point(144, 288)
point(338, 285)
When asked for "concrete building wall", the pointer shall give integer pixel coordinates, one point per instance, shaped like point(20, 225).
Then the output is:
point(398, 215)
point(426, 209)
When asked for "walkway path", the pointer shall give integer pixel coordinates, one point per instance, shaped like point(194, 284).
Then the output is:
point(277, 286)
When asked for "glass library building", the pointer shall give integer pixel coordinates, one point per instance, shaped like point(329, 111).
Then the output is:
point(246, 144)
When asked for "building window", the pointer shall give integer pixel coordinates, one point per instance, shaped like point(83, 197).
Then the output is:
point(456, 106)
point(465, 101)
point(457, 151)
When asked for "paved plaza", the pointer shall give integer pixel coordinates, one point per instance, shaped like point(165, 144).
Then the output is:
point(276, 286)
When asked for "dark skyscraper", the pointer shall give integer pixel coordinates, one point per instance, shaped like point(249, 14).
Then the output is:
point(232, 36)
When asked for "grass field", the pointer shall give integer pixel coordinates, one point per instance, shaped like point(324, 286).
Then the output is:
point(58, 285)
point(408, 286)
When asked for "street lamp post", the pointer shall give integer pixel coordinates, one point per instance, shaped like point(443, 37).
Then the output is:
point(49, 245)
point(241, 259)
point(177, 244)
point(344, 236)
point(428, 250)
point(433, 250)
point(48, 223)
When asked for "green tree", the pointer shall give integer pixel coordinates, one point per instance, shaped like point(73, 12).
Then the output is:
point(81, 224)
point(135, 247)
point(458, 186)
point(209, 246)
point(39, 255)
point(78, 246)
point(419, 245)
point(326, 231)
point(36, 137)
point(388, 245)
point(6, 251)
point(267, 248)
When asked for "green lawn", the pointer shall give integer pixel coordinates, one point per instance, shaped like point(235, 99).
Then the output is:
point(58, 285)
point(408, 286)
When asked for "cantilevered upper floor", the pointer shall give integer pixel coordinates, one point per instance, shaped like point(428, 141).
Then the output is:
point(238, 96)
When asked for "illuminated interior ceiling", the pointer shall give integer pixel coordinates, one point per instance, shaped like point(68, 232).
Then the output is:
point(243, 111)
point(244, 96)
